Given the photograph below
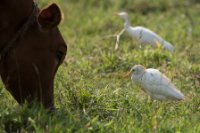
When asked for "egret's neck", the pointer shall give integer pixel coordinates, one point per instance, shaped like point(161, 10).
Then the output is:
point(126, 24)
point(137, 77)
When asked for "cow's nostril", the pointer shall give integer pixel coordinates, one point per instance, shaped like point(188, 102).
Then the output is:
point(59, 55)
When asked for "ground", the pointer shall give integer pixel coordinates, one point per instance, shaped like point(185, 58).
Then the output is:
point(91, 93)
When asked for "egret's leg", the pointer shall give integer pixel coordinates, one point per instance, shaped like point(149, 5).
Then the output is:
point(118, 37)
point(141, 46)
point(148, 100)
point(151, 99)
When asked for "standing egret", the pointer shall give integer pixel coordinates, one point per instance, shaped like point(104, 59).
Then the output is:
point(142, 34)
point(155, 84)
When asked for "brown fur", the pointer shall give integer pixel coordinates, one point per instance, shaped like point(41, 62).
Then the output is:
point(28, 69)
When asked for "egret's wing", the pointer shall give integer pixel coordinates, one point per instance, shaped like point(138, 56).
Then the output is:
point(152, 80)
point(159, 84)
point(145, 35)
point(150, 35)
point(172, 91)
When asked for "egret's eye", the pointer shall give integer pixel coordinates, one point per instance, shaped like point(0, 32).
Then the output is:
point(133, 70)
point(59, 55)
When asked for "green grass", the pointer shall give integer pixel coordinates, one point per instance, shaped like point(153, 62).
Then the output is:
point(90, 91)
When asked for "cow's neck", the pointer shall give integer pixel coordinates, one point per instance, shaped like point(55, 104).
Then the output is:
point(13, 14)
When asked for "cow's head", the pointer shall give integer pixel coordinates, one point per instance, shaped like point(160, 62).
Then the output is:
point(28, 69)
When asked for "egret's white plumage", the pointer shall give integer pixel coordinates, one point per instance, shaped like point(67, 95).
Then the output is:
point(144, 35)
point(154, 83)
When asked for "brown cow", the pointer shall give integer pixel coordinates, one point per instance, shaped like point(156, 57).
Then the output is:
point(31, 50)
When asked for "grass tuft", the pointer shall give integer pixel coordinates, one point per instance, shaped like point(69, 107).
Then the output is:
point(90, 89)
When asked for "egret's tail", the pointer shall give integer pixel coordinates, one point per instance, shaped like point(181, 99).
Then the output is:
point(177, 95)
point(180, 96)
point(168, 46)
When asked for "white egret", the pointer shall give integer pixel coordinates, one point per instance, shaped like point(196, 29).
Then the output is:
point(142, 34)
point(155, 84)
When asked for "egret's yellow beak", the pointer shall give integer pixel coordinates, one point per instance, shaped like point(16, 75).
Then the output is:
point(128, 74)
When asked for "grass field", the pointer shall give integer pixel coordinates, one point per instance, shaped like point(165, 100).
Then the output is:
point(90, 91)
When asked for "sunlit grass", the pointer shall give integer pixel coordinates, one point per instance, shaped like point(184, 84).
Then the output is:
point(90, 89)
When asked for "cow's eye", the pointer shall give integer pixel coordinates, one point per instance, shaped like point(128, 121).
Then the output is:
point(59, 55)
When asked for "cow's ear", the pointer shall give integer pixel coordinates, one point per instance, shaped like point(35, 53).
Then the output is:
point(50, 17)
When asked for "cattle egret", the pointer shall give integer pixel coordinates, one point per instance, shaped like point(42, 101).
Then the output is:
point(142, 34)
point(155, 84)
